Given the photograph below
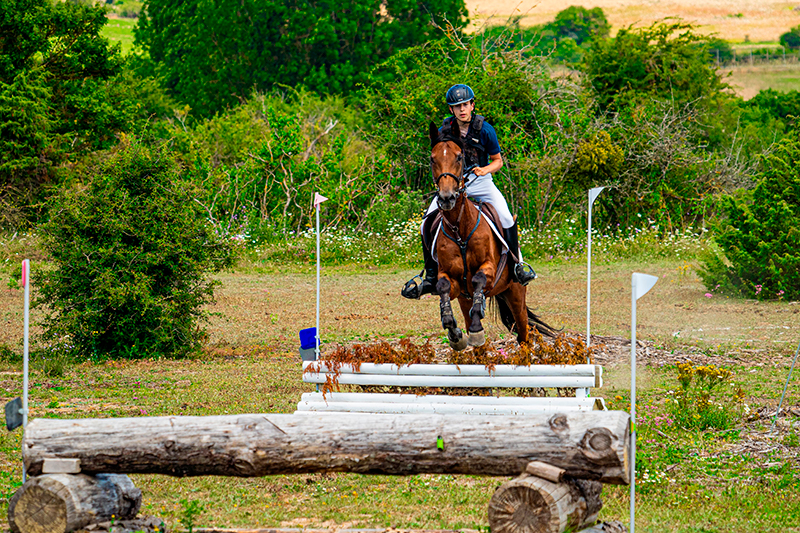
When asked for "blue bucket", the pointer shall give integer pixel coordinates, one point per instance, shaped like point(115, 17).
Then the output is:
point(308, 338)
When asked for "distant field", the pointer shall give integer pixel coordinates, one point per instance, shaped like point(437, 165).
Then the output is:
point(734, 20)
point(120, 30)
point(747, 81)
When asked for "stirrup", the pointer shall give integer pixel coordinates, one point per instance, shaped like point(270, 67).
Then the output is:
point(413, 290)
point(523, 273)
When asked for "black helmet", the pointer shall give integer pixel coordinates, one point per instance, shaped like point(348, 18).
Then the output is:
point(458, 94)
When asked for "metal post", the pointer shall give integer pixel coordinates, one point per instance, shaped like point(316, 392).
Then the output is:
point(633, 404)
point(775, 418)
point(26, 283)
point(317, 335)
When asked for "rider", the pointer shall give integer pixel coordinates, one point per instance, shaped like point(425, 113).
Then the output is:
point(482, 157)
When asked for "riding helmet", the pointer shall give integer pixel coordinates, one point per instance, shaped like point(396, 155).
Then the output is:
point(458, 94)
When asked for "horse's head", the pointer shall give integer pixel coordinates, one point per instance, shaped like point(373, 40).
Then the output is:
point(447, 165)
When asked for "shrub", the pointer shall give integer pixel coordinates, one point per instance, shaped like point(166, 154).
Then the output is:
point(130, 251)
point(666, 60)
point(759, 236)
point(791, 39)
point(699, 402)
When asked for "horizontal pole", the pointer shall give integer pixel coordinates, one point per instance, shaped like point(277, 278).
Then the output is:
point(580, 404)
point(374, 397)
point(456, 381)
point(461, 370)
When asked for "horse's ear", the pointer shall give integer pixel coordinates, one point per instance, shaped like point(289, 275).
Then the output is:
point(455, 131)
point(433, 133)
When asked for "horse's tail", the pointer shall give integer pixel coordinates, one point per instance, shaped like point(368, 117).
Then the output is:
point(507, 317)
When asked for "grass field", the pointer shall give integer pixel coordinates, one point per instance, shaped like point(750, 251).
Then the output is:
point(120, 30)
point(743, 479)
point(737, 21)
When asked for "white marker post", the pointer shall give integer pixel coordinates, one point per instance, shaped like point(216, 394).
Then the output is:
point(318, 199)
point(640, 285)
point(593, 194)
point(26, 285)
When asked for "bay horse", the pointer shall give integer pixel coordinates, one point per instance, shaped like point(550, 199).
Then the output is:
point(471, 266)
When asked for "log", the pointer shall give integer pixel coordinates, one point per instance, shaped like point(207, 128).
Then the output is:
point(592, 445)
point(530, 504)
point(57, 503)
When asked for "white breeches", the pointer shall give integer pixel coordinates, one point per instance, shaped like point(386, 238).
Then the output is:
point(483, 189)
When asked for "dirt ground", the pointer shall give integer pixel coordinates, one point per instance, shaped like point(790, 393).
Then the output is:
point(737, 20)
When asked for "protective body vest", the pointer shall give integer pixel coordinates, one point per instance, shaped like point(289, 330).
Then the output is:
point(474, 152)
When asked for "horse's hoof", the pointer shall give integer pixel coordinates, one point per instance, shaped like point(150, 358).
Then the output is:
point(477, 338)
point(459, 344)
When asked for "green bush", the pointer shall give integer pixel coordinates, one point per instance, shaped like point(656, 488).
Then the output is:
point(759, 235)
point(130, 252)
point(665, 60)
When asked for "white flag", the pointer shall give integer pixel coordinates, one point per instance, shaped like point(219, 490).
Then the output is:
point(642, 283)
point(318, 199)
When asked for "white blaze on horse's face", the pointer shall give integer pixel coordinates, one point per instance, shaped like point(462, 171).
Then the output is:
point(446, 163)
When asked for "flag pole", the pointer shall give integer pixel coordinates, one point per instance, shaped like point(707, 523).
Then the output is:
point(26, 284)
point(318, 199)
point(593, 194)
point(316, 356)
point(633, 405)
point(640, 285)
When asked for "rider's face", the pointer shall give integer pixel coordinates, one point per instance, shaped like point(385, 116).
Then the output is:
point(463, 112)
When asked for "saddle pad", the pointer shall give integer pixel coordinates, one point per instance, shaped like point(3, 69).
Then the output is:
point(489, 213)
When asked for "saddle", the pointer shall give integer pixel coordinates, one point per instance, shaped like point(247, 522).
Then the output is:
point(490, 213)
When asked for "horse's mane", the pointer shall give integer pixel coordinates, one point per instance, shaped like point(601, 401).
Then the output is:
point(448, 135)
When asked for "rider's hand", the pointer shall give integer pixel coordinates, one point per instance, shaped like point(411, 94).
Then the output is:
point(479, 171)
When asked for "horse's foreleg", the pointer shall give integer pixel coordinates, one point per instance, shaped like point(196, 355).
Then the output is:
point(477, 336)
point(454, 334)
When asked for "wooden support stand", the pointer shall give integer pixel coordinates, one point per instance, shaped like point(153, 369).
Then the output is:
point(57, 503)
point(530, 504)
point(590, 445)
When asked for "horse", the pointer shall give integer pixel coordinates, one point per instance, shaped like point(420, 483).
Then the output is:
point(471, 266)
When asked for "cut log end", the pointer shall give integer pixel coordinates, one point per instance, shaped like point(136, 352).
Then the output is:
point(534, 505)
point(57, 503)
point(37, 510)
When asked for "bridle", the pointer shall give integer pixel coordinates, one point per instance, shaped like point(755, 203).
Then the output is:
point(459, 179)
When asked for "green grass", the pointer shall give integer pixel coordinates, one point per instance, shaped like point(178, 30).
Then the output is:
point(120, 30)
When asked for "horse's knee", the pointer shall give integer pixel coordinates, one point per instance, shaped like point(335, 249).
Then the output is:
point(479, 280)
point(443, 286)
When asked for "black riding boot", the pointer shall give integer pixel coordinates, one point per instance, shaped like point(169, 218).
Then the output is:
point(411, 289)
point(522, 272)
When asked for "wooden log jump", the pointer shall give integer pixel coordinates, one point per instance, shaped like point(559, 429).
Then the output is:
point(586, 445)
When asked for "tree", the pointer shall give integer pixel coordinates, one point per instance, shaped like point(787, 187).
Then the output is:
point(581, 24)
point(54, 68)
point(131, 253)
point(791, 39)
point(212, 54)
point(759, 235)
point(665, 60)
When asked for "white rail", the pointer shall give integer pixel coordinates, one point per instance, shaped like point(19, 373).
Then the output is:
point(501, 376)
